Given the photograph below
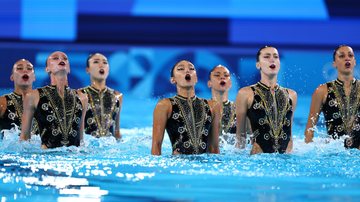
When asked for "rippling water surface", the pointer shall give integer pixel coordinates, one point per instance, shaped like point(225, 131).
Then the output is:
point(106, 170)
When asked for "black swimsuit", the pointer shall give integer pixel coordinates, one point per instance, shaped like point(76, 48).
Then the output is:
point(189, 125)
point(13, 113)
point(102, 110)
point(342, 113)
point(270, 117)
point(59, 118)
point(228, 120)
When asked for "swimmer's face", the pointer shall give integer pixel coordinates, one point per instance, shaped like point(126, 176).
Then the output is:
point(184, 74)
point(58, 62)
point(220, 79)
point(345, 60)
point(269, 61)
point(98, 67)
point(23, 73)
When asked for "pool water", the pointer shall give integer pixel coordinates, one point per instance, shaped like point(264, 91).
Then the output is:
point(106, 170)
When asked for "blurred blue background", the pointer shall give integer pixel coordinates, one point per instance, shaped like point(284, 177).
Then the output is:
point(144, 39)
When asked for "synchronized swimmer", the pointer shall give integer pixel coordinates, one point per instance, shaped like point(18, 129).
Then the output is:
point(263, 111)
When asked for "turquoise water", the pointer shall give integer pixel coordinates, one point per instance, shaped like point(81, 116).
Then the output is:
point(106, 170)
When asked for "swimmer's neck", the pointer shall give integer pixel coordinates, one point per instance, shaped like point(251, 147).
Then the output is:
point(99, 85)
point(346, 79)
point(60, 82)
point(186, 92)
point(219, 96)
point(271, 83)
point(22, 90)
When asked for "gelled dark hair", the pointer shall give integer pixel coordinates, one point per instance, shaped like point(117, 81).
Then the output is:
point(49, 57)
point(259, 52)
point(89, 57)
point(337, 48)
point(12, 71)
point(173, 67)
point(214, 69)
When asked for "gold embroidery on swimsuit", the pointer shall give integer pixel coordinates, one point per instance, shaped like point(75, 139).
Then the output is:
point(228, 116)
point(193, 127)
point(348, 105)
point(17, 102)
point(102, 115)
point(64, 112)
point(276, 106)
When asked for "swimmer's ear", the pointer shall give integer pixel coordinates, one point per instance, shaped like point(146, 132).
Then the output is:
point(258, 66)
point(87, 70)
point(334, 65)
point(172, 80)
point(12, 77)
point(209, 83)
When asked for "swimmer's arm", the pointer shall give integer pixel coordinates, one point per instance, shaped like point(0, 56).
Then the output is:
point(31, 100)
point(318, 98)
point(215, 128)
point(3, 106)
point(161, 114)
point(84, 102)
point(289, 148)
point(293, 97)
point(117, 119)
point(242, 102)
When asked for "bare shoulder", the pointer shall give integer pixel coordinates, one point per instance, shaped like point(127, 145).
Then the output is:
point(2, 101)
point(164, 103)
point(245, 94)
point(320, 94)
point(3, 105)
point(245, 91)
point(83, 96)
point(118, 95)
point(163, 108)
point(292, 93)
point(321, 90)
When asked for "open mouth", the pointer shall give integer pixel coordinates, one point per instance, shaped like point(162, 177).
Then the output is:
point(222, 83)
point(272, 66)
point(62, 63)
point(188, 77)
point(25, 77)
point(102, 71)
point(347, 64)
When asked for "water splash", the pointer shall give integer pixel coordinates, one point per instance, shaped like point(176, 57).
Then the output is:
point(105, 165)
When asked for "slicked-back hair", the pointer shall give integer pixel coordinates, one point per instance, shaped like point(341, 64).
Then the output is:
point(337, 48)
point(259, 52)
